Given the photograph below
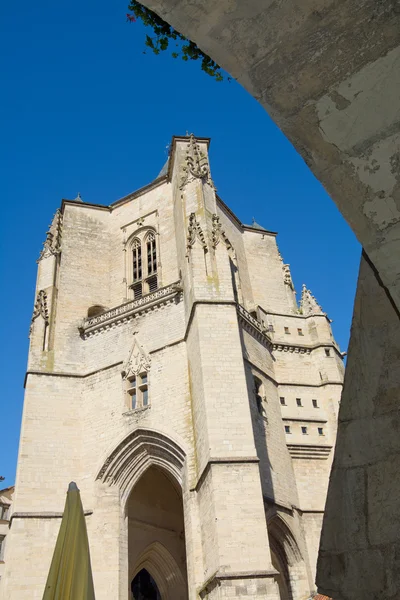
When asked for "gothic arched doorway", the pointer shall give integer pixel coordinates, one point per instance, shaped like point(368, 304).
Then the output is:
point(156, 538)
point(143, 587)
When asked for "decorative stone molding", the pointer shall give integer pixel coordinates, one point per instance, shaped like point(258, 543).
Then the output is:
point(129, 310)
point(40, 309)
point(140, 449)
point(289, 348)
point(218, 233)
point(195, 232)
point(308, 304)
point(306, 451)
point(52, 243)
point(253, 326)
point(43, 515)
point(195, 165)
point(137, 362)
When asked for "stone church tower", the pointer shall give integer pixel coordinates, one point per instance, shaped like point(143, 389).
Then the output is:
point(174, 377)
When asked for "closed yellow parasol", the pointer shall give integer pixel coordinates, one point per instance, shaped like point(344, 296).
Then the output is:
point(70, 575)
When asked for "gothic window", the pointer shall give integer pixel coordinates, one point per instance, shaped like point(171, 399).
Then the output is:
point(287, 428)
point(138, 391)
point(151, 253)
point(282, 401)
point(320, 431)
point(298, 402)
point(4, 512)
point(327, 352)
point(304, 430)
point(137, 260)
point(143, 271)
point(315, 403)
point(136, 377)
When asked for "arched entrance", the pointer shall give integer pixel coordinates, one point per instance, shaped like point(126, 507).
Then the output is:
point(143, 587)
point(148, 468)
point(287, 560)
point(156, 538)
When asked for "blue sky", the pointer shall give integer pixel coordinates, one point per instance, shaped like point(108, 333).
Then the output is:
point(83, 109)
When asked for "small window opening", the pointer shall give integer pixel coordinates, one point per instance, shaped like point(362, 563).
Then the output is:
point(137, 290)
point(270, 327)
point(300, 331)
point(4, 512)
point(132, 392)
point(253, 314)
point(287, 330)
point(304, 430)
point(258, 392)
point(327, 352)
point(2, 538)
point(152, 283)
point(298, 402)
point(144, 389)
point(151, 254)
point(315, 403)
point(138, 391)
point(287, 428)
point(282, 401)
point(320, 431)
point(137, 260)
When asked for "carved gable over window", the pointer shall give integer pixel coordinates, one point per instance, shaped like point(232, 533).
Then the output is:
point(138, 361)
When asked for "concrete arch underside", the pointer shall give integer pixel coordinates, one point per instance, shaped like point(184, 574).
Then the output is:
point(328, 73)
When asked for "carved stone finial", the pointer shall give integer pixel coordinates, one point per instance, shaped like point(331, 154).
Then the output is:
point(40, 309)
point(195, 232)
point(78, 198)
point(52, 243)
point(195, 164)
point(308, 304)
point(218, 233)
point(287, 276)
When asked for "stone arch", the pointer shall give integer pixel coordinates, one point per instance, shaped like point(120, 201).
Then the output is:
point(287, 560)
point(161, 565)
point(138, 451)
point(284, 59)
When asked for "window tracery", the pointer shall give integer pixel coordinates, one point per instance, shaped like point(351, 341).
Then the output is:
point(143, 276)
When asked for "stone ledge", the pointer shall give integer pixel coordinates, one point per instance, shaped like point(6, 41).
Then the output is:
point(309, 451)
point(229, 460)
point(43, 515)
point(129, 310)
point(219, 576)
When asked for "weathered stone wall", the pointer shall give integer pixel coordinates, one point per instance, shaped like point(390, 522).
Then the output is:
point(361, 526)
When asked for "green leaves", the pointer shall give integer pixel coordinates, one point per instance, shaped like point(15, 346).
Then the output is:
point(163, 33)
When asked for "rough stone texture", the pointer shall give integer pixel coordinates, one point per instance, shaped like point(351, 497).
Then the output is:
point(329, 76)
point(202, 487)
point(362, 524)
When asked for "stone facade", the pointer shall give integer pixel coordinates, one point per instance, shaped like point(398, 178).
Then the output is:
point(6, 498)
point(174, 377)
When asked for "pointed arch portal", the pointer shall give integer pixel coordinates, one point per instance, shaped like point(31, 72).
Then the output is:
point(147, 466)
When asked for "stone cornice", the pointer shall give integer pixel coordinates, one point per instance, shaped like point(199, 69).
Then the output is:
point(306, 451)
point(42, 515)
point(303, 348)
point(129, 310)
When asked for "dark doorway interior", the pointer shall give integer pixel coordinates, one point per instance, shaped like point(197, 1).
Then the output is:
point(144, 587)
